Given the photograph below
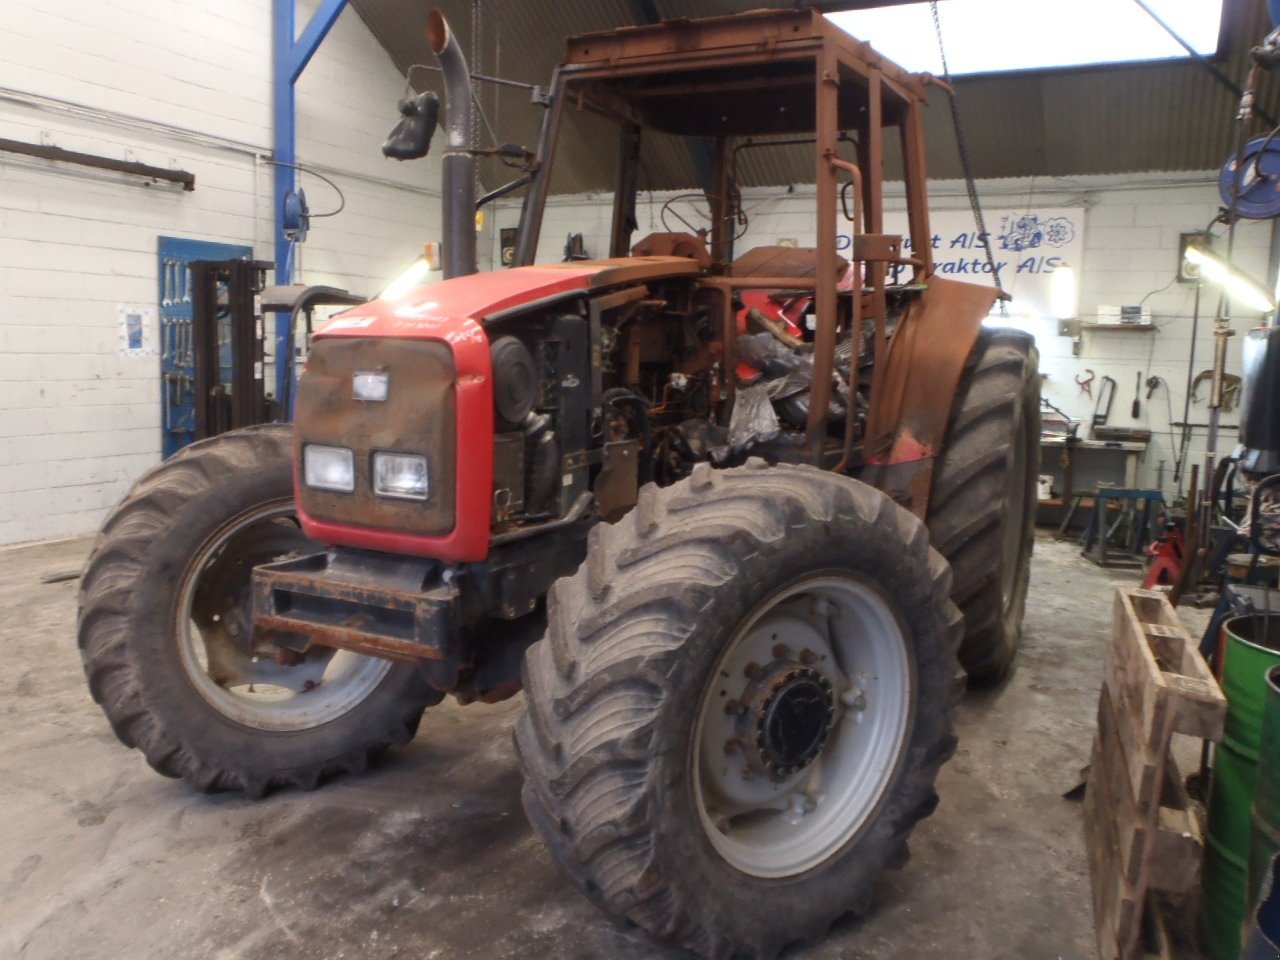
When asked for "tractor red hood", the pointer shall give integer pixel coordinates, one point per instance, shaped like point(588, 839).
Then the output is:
point(452, 311)
point(440, 310)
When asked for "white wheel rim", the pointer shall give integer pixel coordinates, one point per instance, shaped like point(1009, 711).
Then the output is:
point(840, 634)
point(265, 694)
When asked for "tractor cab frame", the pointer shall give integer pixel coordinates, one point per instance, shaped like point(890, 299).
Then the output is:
point(790, 77)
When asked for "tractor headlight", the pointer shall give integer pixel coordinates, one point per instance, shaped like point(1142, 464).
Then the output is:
point(370, 385)
point(329, 468)
point(400, 475)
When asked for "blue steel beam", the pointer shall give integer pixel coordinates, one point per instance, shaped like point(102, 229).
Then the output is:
point(289, 57)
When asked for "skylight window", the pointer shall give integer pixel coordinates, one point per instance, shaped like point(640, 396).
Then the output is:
point(997, 36)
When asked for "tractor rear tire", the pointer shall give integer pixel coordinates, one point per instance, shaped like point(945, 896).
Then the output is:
point(647, 648)
point(164, 621)
point(983, 503)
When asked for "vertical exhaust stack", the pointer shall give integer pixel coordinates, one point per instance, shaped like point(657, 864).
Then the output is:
point(459, 191)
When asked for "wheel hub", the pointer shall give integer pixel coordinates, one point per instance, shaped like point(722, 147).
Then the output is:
point(789, 711)
point(802, 725)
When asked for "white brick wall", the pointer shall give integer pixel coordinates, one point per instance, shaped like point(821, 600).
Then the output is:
point(179, 84)
point(1130, 249)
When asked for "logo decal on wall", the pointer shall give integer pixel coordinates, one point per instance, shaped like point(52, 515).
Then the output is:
point(1029, 231)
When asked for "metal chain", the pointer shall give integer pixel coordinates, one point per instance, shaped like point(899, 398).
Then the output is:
point(497, 66)
point(477, 66)
point(965, 163)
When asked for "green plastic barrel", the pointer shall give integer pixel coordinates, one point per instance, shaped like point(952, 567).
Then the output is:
point(1250, 651)
point(1266, 793)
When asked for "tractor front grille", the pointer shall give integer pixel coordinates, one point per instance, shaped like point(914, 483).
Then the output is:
point(418, 417)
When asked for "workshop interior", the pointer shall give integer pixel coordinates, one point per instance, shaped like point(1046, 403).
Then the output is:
point(636, 479)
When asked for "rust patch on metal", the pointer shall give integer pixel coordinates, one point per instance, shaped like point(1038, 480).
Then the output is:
point(349, 636)
point(788, 262)
point(921, 374)
point(673, 245)
point(615, 271)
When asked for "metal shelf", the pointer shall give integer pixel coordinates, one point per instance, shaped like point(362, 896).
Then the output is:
point(1127, 327)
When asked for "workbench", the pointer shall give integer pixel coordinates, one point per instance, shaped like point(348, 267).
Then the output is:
point(1090, 463)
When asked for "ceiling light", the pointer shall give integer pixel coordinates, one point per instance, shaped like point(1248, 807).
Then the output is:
point(998, 36)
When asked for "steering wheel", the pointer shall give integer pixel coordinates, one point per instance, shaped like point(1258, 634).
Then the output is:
point(739, 217)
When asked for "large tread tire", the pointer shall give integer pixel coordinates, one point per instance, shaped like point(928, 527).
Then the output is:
point(127, 605)
point(982, 506)
point(614, 689)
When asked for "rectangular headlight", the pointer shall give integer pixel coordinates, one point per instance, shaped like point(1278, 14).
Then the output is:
point(400, 475)
point(329, 468)
point(370, 385)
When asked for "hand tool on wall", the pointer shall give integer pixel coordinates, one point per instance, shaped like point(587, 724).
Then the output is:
point(1085, 384)
point(1230, 389)
point(1136, 409)
point(1106, 397)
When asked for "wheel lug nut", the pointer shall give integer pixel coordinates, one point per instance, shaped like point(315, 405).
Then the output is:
point(752, 670)
point(854, 699)
point(734, 707)
point(732, 747)
point(781, 651)
point(748, 773)
point(807, 656)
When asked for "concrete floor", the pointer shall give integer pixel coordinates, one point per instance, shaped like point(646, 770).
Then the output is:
point(429, 855)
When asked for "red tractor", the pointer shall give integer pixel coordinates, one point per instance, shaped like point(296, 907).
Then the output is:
point(734, 557)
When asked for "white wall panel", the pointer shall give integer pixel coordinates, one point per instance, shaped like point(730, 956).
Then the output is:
point(182, 84)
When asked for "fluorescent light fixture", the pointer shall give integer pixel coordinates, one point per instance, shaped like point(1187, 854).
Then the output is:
point(1239, 287)
point(998, 36)
point(414, 275)
point(1063, 303)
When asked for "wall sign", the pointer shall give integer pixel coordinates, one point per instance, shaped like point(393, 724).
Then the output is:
point(1028, 246)
point(136, 329)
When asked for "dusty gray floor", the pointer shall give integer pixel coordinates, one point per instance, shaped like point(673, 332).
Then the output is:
point(429, 855)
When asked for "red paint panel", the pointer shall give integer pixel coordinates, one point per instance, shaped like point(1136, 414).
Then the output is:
point(433, 310)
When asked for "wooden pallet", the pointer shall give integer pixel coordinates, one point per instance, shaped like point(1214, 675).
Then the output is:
point(1140, 832)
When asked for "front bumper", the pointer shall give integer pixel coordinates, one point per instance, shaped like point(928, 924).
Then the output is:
point(396, 608)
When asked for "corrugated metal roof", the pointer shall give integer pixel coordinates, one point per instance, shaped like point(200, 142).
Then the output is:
point(1148, 117)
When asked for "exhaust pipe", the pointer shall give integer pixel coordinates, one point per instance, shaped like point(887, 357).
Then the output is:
point(459, 184)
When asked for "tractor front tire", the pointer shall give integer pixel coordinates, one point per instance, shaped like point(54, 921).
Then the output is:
point(165, 620)
point(741, 705)
point(983, 503)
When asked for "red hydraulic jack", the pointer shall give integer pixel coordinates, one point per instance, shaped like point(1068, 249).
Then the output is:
point(1166, 554)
